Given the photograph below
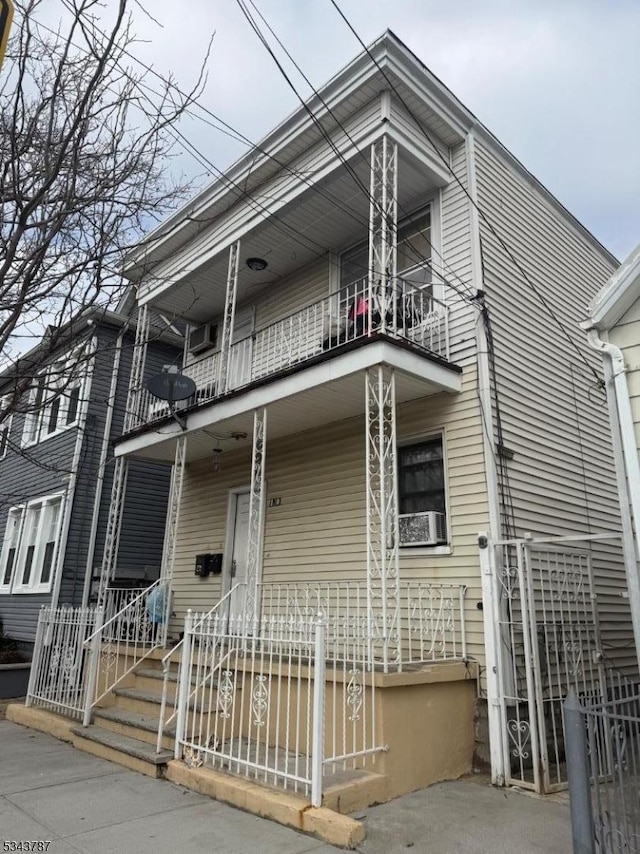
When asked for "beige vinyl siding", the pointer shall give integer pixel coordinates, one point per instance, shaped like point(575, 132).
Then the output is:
point(293, 293)
point(456, 261)
point(562, 478)
point(626, 335)
point(318, 530)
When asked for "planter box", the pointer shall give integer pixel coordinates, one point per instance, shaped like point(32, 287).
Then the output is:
point(14, 679)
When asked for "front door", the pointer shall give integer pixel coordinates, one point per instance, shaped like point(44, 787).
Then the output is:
point(239, 552)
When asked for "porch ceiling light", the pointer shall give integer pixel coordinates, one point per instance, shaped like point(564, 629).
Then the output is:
point(256, 264)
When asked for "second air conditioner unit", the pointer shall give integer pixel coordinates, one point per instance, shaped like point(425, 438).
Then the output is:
point(203, 338)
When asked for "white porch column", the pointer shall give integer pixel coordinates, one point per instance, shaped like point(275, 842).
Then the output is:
point(173, 511)
point(134, 416)
point(229, 314)
point(383, 566)
point(256, 516)
point(114, 523)
point(383, 228)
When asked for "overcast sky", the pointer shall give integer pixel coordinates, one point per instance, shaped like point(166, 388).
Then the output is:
point(557, 81)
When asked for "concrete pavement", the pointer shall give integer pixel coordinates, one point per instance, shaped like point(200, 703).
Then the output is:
point(49, 791)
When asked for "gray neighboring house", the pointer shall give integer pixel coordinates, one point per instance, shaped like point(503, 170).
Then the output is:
point(56, 473)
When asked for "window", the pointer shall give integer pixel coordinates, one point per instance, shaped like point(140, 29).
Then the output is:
point(54, 401)
point(5, 429)
point(8, 557)
point(412, 258)
point(421, 493)
point(30, 546)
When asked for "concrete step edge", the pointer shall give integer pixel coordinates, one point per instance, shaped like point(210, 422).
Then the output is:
point(124, 744)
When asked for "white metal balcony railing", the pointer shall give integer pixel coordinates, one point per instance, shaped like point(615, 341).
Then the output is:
point(403, 311)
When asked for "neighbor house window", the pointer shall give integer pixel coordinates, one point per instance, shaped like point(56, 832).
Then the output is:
point(5, 429)
point(421, 493)
point(55, 398)
point(10, 547)
point(30, 545)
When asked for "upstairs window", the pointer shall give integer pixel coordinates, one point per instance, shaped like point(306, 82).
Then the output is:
point(30, 549)
point(5, 429)
point(55, 398)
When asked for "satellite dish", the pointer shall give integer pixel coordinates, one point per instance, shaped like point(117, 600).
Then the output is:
point(171, 386)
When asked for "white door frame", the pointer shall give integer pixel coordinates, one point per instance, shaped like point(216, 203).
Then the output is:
point(232, 505)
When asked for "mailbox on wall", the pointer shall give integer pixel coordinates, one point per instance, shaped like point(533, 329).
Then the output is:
point(209, 564)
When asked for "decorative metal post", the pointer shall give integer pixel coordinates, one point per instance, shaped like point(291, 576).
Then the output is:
point(317, 746)
point(184, 686)
point(93, 666)
point(171, 528)
point(229, 314)
point(256, 516)
point(114, 524)
point(383, 565)
point(133, 416)
point(383, 230)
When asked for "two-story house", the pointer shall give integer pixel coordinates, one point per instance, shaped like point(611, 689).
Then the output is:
point(393, 529)
point(56, 471)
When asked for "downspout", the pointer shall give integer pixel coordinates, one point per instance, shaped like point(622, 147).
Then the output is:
point(102, 464)
point(627, 465)
point(490, 602)
point(71, 485)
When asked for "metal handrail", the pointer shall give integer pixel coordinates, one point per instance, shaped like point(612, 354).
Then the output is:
point(96, 638)
point(166, 664)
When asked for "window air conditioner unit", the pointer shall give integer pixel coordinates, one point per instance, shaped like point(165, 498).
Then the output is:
point(203, 338)
point(422, 529)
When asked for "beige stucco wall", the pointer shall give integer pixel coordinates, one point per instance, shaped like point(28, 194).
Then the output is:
point(318, 530)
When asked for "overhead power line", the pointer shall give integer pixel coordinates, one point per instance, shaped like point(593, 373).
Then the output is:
point(481, 212)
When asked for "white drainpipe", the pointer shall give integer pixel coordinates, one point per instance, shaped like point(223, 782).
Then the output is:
point(91, 549)
point(627, 466)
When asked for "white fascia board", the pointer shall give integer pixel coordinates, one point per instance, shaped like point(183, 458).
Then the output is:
point(391, 56)
point(426, 156)
point(213, 242)
point(618, 295)
point(333, 93)
point(379, 352)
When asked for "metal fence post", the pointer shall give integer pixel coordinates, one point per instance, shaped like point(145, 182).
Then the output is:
point(578, 776)
point(317, 746)
point(37, 656)
point(94, 663)
point(184, 683)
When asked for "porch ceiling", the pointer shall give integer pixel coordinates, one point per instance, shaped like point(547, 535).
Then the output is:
point(330, 216)
point(328, 392)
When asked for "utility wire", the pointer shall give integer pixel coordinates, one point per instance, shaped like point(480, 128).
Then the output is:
point(421, 258)
point(480, 210)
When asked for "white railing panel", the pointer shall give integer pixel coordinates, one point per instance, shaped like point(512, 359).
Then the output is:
point(60, 663)
point(359, 310)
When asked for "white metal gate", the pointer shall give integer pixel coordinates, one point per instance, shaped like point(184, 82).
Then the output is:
point(548, 641)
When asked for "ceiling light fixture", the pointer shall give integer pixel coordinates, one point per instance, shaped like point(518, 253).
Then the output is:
point(256, 264)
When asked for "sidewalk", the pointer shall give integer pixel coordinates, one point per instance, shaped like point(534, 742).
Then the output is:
point(49, 791)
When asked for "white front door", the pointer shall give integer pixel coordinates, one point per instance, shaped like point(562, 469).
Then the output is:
point(239, 552)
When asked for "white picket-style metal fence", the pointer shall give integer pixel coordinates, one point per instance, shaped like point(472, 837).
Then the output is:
point(61, 660)
point(267, 700)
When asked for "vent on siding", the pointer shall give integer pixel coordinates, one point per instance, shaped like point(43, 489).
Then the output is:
point(422, 529)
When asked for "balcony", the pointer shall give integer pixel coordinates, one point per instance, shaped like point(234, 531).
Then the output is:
point(343, 321)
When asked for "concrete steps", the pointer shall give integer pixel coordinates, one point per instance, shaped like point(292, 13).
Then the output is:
point(126, 732)
point(128, 752)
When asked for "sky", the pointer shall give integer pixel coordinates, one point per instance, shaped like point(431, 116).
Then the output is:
point(557, 81)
